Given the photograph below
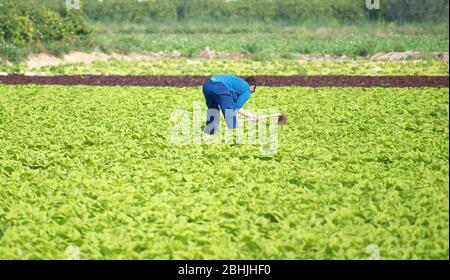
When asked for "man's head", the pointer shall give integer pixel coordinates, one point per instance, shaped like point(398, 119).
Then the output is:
point(251, 81)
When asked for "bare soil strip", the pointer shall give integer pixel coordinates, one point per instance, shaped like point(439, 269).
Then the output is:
point(193, 81)
point(36, 61)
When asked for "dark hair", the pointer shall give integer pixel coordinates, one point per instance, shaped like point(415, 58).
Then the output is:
point(251, 81)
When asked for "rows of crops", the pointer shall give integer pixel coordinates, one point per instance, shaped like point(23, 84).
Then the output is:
point(245, 67)
point(271, 81)
point(94, 168)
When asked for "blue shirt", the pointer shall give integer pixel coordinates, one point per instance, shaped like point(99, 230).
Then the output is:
point(239, 89)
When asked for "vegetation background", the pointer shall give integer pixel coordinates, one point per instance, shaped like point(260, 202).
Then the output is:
point(92, 170)
point(259, 27)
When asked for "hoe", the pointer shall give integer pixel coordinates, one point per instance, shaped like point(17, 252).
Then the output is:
point(282, 119)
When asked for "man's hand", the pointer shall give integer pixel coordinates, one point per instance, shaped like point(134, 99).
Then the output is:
point(253, 118)
point(250, 116)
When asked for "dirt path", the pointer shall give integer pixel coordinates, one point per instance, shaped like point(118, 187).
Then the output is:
point(271, 81)
point(37, 61)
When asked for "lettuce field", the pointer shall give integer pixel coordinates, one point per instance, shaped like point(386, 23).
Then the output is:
point(93, 168)
point(246, 67)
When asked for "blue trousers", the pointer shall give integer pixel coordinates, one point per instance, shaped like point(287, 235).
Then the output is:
point(217, 95)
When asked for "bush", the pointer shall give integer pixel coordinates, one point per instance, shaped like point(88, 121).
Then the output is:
point(17, 30)
point(415, 10)
point(266, 10)
point(11, 52)
point(49, 26)
point(41, 21)
point(75, 23)
point(130, 10)
point(348, 11)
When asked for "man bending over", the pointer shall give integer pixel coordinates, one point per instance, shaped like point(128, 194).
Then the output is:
point(230, 93)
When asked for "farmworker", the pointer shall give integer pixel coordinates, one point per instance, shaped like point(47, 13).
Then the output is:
point(230, 93)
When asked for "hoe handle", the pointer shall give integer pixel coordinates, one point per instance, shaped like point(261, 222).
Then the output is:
point(266, 117)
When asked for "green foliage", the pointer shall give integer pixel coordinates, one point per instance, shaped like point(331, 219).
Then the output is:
point(50, 26)
point(298, 11)
point(75, 23)
point(129, 11)
point(251, 48)
point(246, 67)
point(272, 38)
point(21, 21)
point(260, 27)
point(94, 167)
point(11, 52)
point(16, 29)
point(415, 10)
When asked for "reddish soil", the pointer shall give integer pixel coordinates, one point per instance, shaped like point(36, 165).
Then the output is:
point(271, 81)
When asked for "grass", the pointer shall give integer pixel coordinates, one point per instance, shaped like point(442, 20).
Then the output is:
point(272, 38)
point(9, 51)
point(260, 39)
point(247, 67)
point(92, 167)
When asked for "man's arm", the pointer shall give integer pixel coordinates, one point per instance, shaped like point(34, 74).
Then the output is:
point(249, 115)
point(242, 99)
